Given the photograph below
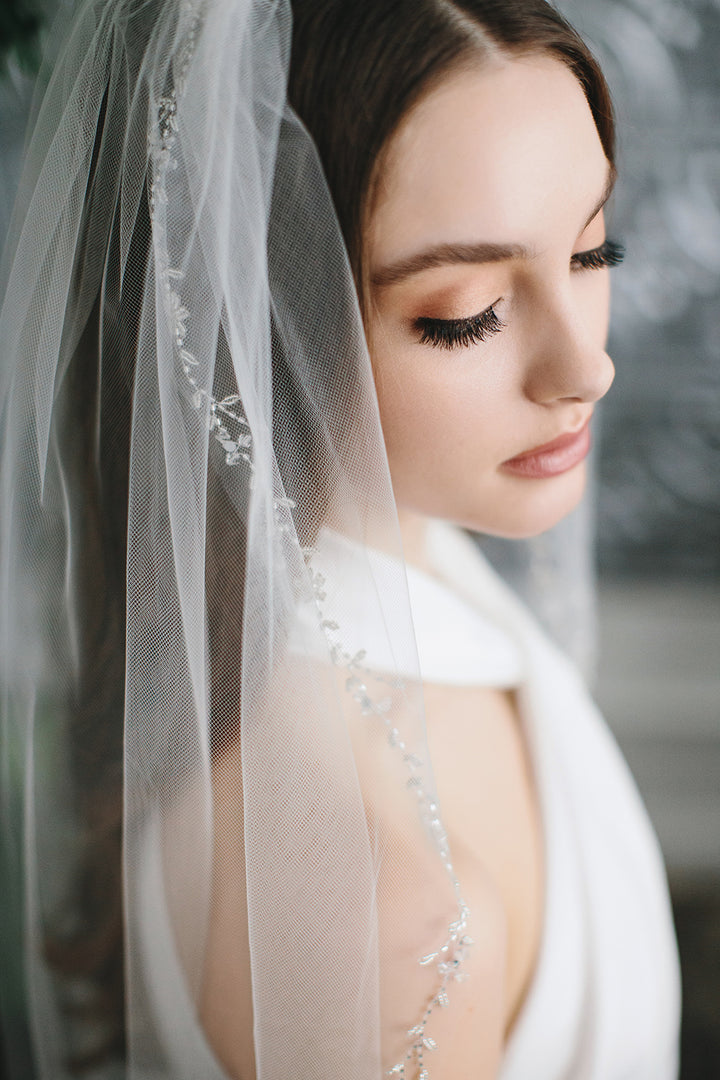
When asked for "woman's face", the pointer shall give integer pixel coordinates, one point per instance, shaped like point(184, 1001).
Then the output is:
point(488, 309)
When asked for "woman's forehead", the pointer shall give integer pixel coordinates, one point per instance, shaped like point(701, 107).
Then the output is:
point(495, 155)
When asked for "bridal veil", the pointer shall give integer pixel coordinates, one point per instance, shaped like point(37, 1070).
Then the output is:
point(187, 413)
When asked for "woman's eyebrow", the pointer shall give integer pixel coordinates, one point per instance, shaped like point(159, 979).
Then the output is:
point(448, 254)
point(445, 254)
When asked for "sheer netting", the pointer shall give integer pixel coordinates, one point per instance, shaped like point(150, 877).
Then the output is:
point(213, 810)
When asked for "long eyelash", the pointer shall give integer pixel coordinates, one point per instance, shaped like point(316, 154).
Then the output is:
point(450, 333)
point(610, 253)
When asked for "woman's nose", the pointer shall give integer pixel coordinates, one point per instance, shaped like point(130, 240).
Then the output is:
point(568, 364)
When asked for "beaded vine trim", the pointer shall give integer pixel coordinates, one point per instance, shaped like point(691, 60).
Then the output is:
point(450, 955)
point(228, 424)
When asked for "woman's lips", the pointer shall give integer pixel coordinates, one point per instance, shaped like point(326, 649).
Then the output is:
point(553, 458)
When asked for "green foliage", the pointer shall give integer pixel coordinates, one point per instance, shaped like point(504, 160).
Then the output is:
point(20, 23)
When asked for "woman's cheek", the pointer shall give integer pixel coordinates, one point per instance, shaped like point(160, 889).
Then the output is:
point(593, 299)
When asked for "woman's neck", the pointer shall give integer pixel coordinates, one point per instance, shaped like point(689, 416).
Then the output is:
point(413, 533)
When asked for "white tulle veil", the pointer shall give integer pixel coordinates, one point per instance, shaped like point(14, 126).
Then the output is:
point(174, 260)
point(188, 413)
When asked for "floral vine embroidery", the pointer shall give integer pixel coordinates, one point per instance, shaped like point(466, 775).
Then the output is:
point(228, 424)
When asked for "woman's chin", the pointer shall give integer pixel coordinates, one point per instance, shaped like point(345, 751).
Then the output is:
point(529, 506)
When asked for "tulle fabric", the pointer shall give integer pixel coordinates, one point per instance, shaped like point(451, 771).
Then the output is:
point(180, 337)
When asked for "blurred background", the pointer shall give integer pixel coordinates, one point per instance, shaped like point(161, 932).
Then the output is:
point(658, 466)
point(658, 512)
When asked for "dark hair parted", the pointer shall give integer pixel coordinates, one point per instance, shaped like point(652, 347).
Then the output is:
point(358, 66)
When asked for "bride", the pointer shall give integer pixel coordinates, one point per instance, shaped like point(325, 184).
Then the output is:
point(295, 786)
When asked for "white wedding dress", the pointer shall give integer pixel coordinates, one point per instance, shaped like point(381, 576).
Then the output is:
point(604, 1002)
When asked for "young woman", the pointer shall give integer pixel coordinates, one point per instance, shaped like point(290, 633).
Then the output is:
point(269, 360)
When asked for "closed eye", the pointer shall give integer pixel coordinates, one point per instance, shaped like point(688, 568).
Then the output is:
point(610, 253)
point(458, 333)
point(453, 333)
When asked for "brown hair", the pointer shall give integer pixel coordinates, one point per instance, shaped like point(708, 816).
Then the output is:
point(358, 66)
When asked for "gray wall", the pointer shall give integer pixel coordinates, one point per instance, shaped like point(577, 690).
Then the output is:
point(659, 505)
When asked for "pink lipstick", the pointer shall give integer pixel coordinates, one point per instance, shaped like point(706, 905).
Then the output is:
point(553, 458)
